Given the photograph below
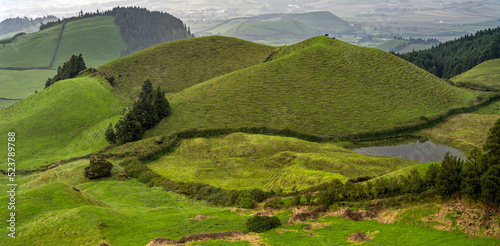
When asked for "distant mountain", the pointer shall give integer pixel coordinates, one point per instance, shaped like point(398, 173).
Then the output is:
point(279, 29)
point(12, 26)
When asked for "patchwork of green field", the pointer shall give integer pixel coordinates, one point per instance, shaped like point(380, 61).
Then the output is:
point(486, 73)
point(30, 50)
point(318, 86)
point(21, 84)
point(246, 161)
point(66, 120)
point(98, 39)
point(178, 65)
point(62, 207)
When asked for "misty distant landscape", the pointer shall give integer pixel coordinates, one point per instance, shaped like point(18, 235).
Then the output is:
point(250, 122)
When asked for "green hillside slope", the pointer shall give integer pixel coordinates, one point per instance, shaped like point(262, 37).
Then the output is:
point(98, 39)
point(66, 120)
point(391, 44)
point(30, 50)
point(245, 161)
point(273, 32)
point(180, 64)
point(486, 74)
point(328, 87)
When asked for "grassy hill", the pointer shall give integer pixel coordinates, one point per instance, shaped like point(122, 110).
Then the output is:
point(63, 121)
point(180, 64)
point(244, 161)
point(486, 74)
point(320, 86)
point(30, 50)
point(273, 32)
point(98, 39)
point(391, 44)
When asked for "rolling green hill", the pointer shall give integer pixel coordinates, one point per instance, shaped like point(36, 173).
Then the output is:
point(63, 121)
point(30, 50)
point(486, 73)
point(98, 39)
point(273, 32)
point(391, 44)
point(245, 161)
point(178, 65)
point(327, 87)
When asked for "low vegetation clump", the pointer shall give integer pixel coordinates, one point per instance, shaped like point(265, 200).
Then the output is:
point(262, 223)
point(99, 168)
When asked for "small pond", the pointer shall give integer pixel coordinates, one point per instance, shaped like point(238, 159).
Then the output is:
point(423, 151)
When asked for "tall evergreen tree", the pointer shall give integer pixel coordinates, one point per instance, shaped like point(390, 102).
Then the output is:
point(448, 175)
point(110, 134)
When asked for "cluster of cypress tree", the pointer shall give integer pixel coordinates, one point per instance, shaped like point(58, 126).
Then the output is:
point(147, 111)
point(69, 69)
point(455, 57)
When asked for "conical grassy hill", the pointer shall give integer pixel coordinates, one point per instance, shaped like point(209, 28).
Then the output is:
point(319, 86)
point(178, 65)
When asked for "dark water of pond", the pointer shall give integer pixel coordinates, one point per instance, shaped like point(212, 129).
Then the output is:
point(423, 151)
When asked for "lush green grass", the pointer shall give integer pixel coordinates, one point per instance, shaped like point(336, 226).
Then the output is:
point(339, 229)
point(273, 32)
point(486, 73)
point(98, 39)
point(465, 131)
point(30, 50)
point(66, 120)
point(62, 207)
point(245, 161)
point(391, 44)
point(322, 89)
point(180, 64)
point(120, 212)
point(21, 84)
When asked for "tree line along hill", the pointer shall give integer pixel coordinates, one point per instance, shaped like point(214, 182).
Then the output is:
point(452, 58)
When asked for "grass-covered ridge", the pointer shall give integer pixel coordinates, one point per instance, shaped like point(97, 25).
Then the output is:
point(246, 161)
point(66, 120)
point(486, 74)
point(328, 87)
point(98, 39)
point(180, 64)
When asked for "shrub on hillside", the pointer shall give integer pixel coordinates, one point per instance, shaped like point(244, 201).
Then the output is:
point(98, 168)
point(147, 176)
point(262, 223)
point(135, 169)
point(275, 203)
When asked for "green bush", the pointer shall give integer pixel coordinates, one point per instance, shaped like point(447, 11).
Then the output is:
point(247, 203)
point(262, 223)
point(275, 203)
